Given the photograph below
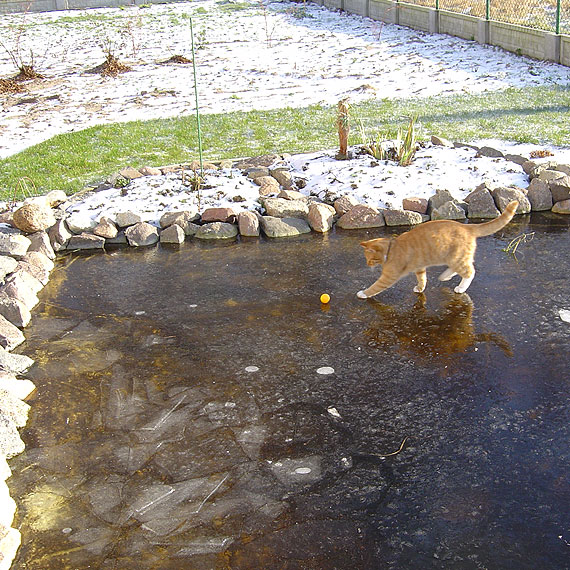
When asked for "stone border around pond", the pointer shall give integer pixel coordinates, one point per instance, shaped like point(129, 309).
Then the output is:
point(31, 237)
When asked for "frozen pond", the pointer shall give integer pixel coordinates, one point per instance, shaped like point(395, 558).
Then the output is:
point(199, 408)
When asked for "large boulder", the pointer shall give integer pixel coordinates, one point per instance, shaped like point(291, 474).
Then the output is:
point(448, 211)
point(321, 217)
point(33, 217)
point(284, 227)
point(560, 188)
point(480, 204)
point(141, 234)
point(344, 204)
point(504, 196)
point(10, 335)
point(172, 234)
point(219, 215)
point(282, 208)
point(539, 195)
point(402, 217)
point(361, 217)
point(217, 230)
point(562, 207)
point(86, 241)
point(14, 245)
point(248, 224)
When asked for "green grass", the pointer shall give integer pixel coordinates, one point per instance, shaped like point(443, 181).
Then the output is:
point(71, 161)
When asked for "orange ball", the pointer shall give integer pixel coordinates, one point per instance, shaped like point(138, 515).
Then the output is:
point(325, 298)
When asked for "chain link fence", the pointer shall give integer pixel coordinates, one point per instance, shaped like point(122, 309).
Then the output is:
point(549, 15)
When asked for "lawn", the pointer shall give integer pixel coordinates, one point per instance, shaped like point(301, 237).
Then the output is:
point(73, 161)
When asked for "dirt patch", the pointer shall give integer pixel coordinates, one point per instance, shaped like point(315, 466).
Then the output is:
point(177, 59)
point(8, 86)
point(111, 67)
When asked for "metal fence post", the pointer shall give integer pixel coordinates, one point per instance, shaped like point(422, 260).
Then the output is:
point(558, 9)
point(487, 9)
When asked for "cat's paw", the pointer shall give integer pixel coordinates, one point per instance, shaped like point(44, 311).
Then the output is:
point(418, 290)
point(362, 295)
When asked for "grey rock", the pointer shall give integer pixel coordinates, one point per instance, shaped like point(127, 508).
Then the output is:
point(490, 152)
point(21, 278)
point(172, 234)
point(181, 219)
point(59, 235)
point(361, 217)
point(14, 310)
point(14, 245)
point(536, 169)
point(267, 185)
point(439, 141)
point(14, 363)
point(106, 228)
point(440, 198)
point(16, 410)
point(256, 172)
point(503, 196)
point(10, 335)
point(38, 272)
point(79, 222)
point(86, 241)
point(480, 204)
point(415, 204)
point(448, 211)
point(562, 207)
point(10, 442)
point(284, 227)
point(560, 189)
point(7, 265)
point(190, 229)
point(126, 219)
point(40, 242)
point(217, 230)
point(19, 290)
point(282, 208)
point(516, 158)
point(38, 259)
point(539, 195)
point(402, 217)
point(550, 175)
point(283, 176)
point(120, 239)
point(141, 234)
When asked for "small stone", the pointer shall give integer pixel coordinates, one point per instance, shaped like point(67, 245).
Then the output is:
point(172, 234)
point(438, 141)
point(325, 370)
point(283, 176)
point(179, 218)
point(256, 172)
point(361, 217)
point(560, 188)
point(14, 310)
point(55, 198)
point(130, 173)
point(414, 204)
point(14, 363)
point(562, 207)
point(489, 152)
point(150, 171)
point(38, 259)
point(291, 195)
point(248, 224)
point(59, 235)
point(141, 234)
point(267, 185)
point(40, 243)
point(7, 265)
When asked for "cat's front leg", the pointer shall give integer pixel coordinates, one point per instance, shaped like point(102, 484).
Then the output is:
point(421, 276)
point(380, 285)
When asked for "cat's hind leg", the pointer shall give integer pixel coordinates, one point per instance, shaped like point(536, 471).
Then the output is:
point(421, 276)
point(447, 275)
point(466, 279)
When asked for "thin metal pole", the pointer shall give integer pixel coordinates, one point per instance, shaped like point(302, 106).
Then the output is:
point(197, 107)
point(488, 10)
point(558, 9)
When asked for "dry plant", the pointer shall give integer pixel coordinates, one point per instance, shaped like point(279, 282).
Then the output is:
point(515, 242)
point(343, 127)
point(268, 29)
point(407, 144)
point(24, 188)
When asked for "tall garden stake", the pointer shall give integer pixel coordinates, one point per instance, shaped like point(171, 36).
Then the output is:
point(343, 126)
point(197, 107)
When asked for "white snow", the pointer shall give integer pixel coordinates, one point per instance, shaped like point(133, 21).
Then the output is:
point(254, 58)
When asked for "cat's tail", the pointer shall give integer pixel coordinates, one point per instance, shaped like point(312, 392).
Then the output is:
point(495, 225)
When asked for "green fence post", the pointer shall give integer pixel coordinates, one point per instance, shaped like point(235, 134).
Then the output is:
point(197, 106)
point(558, 9)
point(488, 10)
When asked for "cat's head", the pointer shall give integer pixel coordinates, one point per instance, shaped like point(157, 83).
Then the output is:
point(376, 250)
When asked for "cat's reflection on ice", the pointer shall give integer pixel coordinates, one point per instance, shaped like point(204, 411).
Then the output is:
point(422, 331)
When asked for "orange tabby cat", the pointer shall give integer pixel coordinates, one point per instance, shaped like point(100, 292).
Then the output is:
point(441, 242)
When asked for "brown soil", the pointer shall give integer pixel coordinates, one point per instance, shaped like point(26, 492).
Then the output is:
point(27, 72)
point(111, 68)
point(178, 59)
